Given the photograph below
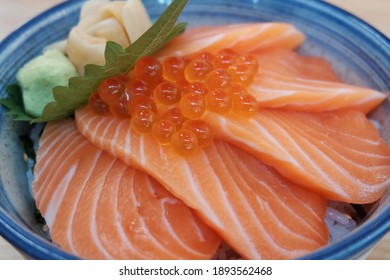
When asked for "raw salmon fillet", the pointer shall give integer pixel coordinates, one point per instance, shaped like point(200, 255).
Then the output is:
point(337, 154)
point(240, 37)
point(99, 208)
point(288, 80)
point(290, 63)
point(285, 79)
point(255, 210)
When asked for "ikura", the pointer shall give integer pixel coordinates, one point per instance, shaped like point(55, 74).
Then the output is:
point(192, 105)
point(250, 61)
point(111, 89)
point(225, 58)
point(119, 109)
point(202, 131)
point(218, 78)
point(142, 120)
point(163, 131)
point(166, 93)
point(206, 55)
point(196, 87)
point(97, 104)
point(173, 68)
point(184, 142)
point(245, 105)
point(168, 99)
point(139, 87)
point(197, 70)
point(219, 101)
point(140, 101)
point(175, 116)
point(241, 74)
point(149, 70)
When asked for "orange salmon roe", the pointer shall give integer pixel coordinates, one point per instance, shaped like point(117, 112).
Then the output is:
point(218, 78)
point(142, 120)
point(173, 68)
point(197, 70)
point(119, 109)
point(149, 70)
point(139, 87)
point(184, 142)
point(167, 99)
point(241, 74)
point(166, 93)
point(225, 58)
point(111, 89)
point(236, 89)
point(186, 87)
point(192, 105)
point(97, 104)
point(163, 130)
point(245, 105)
point(219, 101)
point(250, 61)
point(175, 116)
point(206, 56)
point(140, 101)
point(202, 131)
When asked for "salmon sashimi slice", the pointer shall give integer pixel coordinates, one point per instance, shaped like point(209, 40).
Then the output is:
point(240, 37)
point(99, 208)
point(255, 210)
point(290, 63)
point(276, 90)
point(285, 79)
point(337, 154)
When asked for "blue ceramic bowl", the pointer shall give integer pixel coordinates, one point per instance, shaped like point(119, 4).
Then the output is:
point(359, 53)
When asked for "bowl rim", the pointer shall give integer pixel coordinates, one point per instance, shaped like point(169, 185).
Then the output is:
point(37, 247)
point(31, 245)
point(361, 22)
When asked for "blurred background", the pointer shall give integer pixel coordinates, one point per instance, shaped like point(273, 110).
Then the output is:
point(15, 13)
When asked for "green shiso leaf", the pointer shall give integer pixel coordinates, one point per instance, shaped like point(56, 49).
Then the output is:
point(118, 61)
point(14, 104)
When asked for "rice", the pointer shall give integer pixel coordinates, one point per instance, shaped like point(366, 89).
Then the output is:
point(225, 252)
point(339, 220)
point(34, 136)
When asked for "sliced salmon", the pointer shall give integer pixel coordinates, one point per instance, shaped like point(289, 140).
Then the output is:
point(99, 208)
point(273, 89)
point(240, 37)
point(285, 79)
point(337, 154)
point(290, 63)
point(255, 210)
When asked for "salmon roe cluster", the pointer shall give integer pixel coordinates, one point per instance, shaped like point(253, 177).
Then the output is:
point(167, 99)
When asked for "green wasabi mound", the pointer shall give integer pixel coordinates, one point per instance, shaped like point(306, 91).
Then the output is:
point(39, 76)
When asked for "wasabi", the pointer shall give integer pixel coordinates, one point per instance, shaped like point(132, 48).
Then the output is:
point(39, 76)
